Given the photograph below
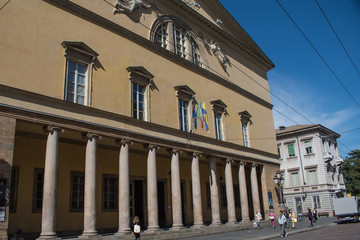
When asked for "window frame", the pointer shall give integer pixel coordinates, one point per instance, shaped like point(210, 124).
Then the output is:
point(78, 194)
point(312, 172)
point(38, 191)
point(105, 194)
point(316, 204)
point(184, 115)
point(184, 94)
point(293, 150)
point(292, 173)
point(79, 54)
point(245, 119)
point(218, 125)
point(308, 149)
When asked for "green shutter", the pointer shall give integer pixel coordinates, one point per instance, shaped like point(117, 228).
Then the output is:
point(307, 144)
point(291, 150)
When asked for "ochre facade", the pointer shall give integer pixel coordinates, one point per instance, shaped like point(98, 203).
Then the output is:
point(64, 150)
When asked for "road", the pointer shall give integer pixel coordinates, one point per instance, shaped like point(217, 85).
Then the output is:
point(325, 228)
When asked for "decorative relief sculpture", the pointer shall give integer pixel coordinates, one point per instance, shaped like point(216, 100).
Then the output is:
point(216, 50)
point(129, 6)
point(192, 4)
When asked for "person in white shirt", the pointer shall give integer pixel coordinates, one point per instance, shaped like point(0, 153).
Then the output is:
point(282, 222)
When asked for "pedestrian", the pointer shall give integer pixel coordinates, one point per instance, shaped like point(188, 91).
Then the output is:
point(137, 228)
point(310, 217)
point(272, 218)
point(293, 218)
point(258, 217)
point(287, 219)
point(315, 215)
point(282, 222)
point(17, 235)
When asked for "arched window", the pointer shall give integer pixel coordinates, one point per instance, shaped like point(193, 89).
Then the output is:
point(173, 34)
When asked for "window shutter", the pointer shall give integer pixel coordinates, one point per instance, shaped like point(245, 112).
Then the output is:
point(307, 144)
point(291, 150)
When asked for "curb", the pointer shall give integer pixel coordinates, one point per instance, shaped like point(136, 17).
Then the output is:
point(294, 232)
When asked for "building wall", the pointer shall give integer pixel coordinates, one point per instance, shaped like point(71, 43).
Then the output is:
point(32, 89)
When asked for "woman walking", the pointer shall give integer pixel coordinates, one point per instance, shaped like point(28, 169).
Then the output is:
point(137, 228)
point(258, 217)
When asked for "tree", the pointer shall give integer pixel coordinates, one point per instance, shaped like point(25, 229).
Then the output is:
point(351, 172)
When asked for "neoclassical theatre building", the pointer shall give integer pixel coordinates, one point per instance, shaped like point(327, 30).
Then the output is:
point(114, 109)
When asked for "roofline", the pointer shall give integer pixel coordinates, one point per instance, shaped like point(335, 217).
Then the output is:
point(309, 128)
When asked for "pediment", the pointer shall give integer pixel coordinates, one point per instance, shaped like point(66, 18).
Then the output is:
point(79, 47)
point(245, 115)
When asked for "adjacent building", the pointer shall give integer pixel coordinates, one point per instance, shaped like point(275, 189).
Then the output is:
point(114, 109)
point(311, 167)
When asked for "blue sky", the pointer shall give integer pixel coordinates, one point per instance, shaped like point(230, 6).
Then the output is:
point(300, 78)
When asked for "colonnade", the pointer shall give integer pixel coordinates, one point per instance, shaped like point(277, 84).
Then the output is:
point(48, 226)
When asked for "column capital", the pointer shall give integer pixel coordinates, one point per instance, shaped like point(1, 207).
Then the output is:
point(229, 160)
point(51, 128)
point(123, 141)
point(254, 164)
point(151, 146)
point(90, 136)
point(243, 163)
point(195, 154)
point(175, 150)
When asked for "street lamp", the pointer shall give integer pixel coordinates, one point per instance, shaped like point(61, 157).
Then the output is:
point(279, 180)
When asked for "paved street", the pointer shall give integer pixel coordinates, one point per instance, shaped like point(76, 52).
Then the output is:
point(325, 228)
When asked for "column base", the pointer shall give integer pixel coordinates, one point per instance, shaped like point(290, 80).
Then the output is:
point(123, 232)
point(153, 229)
point(198, 225)
point(215, 224)
point(176, 227)
point(232, 222)
point(86, 235)
point(48, 235)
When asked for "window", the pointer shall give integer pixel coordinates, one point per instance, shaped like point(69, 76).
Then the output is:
point(316, 200)
point(183, 115)
point(180, 41)
point(270, 199)
point(279, 151)
point(161, 35)
point(137, 101)
point(218, 126)
point(245, 121)
point(295, 179)
point(14, 188)
point(245, 134)
point(219, 108)
point(77, 191)
point(176, 36)
point(110, 196)
point(141, 82)
point(291, 150)
point(312, 174)
point(79, 63)
point(38, 189)
point(184, 95)
point(308, 147)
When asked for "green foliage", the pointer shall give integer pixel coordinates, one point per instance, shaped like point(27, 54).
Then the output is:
point(351, 172)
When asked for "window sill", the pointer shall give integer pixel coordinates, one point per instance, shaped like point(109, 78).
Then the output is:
point(290, 158)
point(309, 155)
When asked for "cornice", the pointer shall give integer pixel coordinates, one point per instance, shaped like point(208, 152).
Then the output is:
point(309, 129)
point(117, 29)
point(267, 64)
point(47, 118)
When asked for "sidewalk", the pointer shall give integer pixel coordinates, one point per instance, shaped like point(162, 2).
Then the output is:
point(266, 232)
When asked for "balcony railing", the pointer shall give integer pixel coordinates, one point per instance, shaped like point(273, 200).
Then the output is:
point(328, 156)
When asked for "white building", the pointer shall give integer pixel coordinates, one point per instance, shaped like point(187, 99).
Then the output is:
point(311, 167)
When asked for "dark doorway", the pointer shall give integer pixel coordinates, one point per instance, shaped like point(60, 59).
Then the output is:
point(161, 204)
point(183, 202)
point(139, 200)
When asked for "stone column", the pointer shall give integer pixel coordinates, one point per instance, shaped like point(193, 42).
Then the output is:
point(176, 190)
point(230, 192)
point(215, 206)
point(243, 193)
point(255, 188)
point(90, 187)
point(48, 222)
point(152, 199)
point(124, 188)
point(196, 190)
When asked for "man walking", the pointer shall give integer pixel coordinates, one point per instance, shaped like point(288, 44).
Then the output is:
point(310, 217)
point(282, 222)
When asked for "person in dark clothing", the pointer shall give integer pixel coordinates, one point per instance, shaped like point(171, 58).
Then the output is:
point(315, 215)
point(137, 228)
point(310, 217)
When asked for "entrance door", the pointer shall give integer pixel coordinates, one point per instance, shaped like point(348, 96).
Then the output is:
point(161, 204)
point(298, 205)
point(137, 200)
point(183, 202)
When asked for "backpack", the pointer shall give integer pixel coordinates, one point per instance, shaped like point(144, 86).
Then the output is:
point(137, 228)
